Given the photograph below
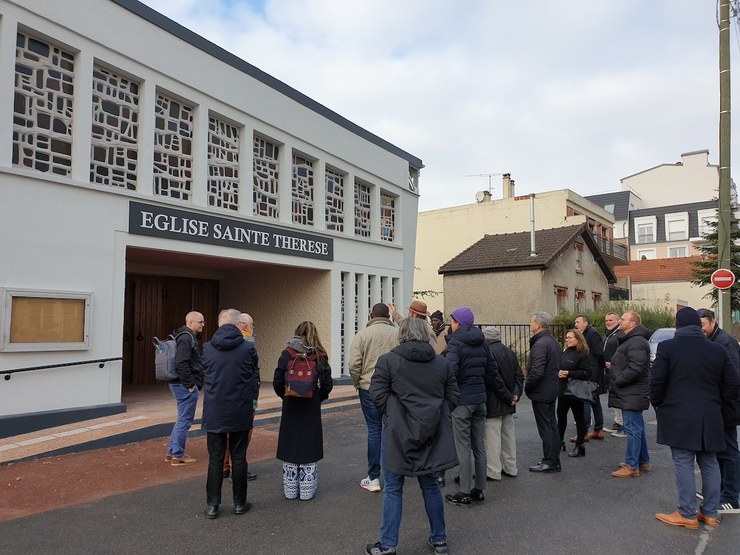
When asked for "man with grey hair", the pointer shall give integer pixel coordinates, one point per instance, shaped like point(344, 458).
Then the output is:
point(231, 382)
point(185, 387)
point(416, 390)
point(502, 396)
point(541, 386)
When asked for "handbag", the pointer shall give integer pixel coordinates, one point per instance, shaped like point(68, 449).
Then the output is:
point(582, 390)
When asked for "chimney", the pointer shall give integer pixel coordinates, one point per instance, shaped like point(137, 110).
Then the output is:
point(508, 186)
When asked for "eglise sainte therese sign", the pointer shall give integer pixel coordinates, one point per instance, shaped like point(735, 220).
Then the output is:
point(170, 223)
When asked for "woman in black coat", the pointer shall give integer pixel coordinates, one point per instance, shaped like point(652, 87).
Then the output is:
point(575, 364)
point(301, 440)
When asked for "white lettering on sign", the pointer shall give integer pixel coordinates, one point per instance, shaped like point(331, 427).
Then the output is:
point(208, 229)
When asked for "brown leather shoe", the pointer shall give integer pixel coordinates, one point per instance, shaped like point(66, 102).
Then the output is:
point(626, 472)
point(646, 467)
point(575, 438)
point(707, 519)
point(167, 458)
point(596, 435)
point(183, 461)
point(675, 519)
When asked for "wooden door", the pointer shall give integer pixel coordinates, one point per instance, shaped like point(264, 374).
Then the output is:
point(156, 306)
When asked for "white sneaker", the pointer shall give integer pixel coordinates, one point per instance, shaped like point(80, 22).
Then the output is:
point(370, 485)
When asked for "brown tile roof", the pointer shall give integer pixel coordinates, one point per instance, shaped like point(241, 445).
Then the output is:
point(658, 269)
point(510, 251)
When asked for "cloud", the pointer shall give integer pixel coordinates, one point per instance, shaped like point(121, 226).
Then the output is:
point(565, 93)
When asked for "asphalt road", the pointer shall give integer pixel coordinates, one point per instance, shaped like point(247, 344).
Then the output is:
point(580, 510)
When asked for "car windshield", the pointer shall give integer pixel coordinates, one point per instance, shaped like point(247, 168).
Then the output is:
point(662, 334)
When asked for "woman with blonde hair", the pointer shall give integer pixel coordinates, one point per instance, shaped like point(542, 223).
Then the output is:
point(575, 364)
point(300, 440)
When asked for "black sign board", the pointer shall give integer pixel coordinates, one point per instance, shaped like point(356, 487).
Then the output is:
point(159, 221)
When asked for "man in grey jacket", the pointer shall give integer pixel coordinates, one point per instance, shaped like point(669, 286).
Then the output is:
point(378, 338)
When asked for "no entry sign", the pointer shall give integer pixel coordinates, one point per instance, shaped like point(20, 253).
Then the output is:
point(722, 278)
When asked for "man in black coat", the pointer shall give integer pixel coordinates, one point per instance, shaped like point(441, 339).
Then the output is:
point(231, 387)
point(185, 387)
point(690, 381)
point(503, 390)
point(612, 335)
point(541, 386)
point(729, 457)
point(596, 351)
point(629, 391)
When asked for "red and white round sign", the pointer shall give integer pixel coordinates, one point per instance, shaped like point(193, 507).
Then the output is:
point(722, 278)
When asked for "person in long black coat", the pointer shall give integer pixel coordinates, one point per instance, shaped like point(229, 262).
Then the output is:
point(596, 351)
point(576, 363)
point(690, 381)
point(541, 386)
point(416, 391)
point(301, 437)
point(230, 389)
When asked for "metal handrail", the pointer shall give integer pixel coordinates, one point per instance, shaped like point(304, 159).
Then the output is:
point(100, 361)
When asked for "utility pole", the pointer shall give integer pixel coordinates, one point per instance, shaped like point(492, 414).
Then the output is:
point(724, 212)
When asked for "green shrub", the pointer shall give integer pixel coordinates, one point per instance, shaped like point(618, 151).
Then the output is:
point(652, 317)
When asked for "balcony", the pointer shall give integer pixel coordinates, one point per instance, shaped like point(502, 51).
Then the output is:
point(616, 254)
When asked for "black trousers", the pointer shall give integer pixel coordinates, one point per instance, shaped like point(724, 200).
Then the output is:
point(564, 405)
point(237, 444)
point(544, 416)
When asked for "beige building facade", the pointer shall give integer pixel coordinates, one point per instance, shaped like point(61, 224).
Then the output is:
point(442, 234)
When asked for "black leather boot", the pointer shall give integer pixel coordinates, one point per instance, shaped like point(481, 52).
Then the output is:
point(578, 451)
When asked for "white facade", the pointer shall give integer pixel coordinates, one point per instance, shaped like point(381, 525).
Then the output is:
point(158, 143)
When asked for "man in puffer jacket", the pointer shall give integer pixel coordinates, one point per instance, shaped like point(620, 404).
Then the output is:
point(629, 390)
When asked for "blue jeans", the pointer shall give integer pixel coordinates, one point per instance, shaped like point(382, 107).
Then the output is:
point(729, 467)
point(683, 461)
point(186, 402)
point(373, 420)
point(637, 448)
point(393, 507)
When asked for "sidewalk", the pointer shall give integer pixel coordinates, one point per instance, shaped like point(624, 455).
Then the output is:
point(150, 414)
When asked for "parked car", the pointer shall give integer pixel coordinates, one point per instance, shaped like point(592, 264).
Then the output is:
point(661, 334)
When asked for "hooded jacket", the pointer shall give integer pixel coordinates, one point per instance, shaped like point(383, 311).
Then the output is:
point(628, 375)
point(231, 381)
point(498, 401)
point(301, 435)
point(469, 357)
point(416, 391)
point(188, 359)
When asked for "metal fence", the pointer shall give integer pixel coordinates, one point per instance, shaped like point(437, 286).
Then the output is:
point(516, 337)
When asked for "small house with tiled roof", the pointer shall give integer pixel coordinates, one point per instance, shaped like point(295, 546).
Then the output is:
point(665, 280)
point(505, 277)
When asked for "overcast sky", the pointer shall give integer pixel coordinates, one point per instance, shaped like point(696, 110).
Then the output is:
point(559, 93)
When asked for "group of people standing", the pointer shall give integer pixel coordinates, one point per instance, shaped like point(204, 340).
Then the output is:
point(228, 371)
point(433, 399)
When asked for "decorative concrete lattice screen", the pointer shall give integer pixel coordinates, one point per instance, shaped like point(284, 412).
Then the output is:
point(358, 280)
point(343, 320)
point(42, 114)
point(173, 148)
point(387, 217)
point(266, 171)
point(223, 164)
point(115, 129)
point(334, 201)
point(302, 205)
point(362, 209)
